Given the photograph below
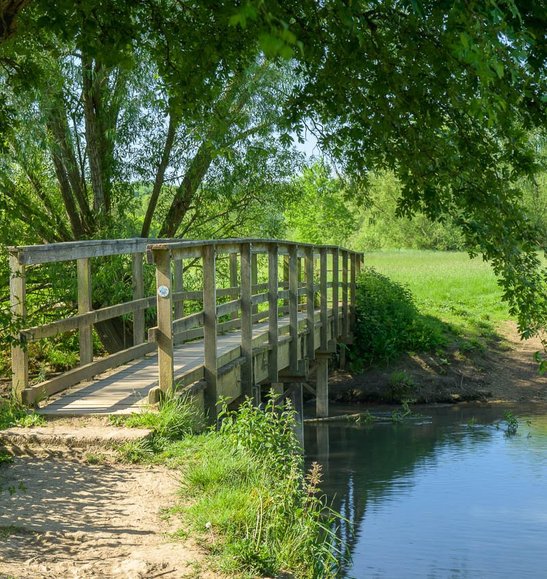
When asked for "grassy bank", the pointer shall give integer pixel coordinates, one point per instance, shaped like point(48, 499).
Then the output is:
point(244, 494)
point(458, 291)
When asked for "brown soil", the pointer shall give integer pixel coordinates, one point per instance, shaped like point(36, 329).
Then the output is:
point(67, 519)
point(505, 370)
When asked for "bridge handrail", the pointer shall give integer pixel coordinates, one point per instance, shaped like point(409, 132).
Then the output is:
point(168, 257)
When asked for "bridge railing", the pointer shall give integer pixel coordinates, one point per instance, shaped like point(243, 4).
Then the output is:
point(303, 282)
point(317, 283)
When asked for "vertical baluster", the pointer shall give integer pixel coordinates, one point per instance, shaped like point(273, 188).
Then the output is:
point(310, 303)
point(210, 330)
point(293, 307)
point(324, 300)
point(138, 293)
point(84, 306)
point(273, 328)
point(178, 287)
point(335, 294)
point(247, 260)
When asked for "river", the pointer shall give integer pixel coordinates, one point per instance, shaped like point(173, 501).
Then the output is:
point(446, 493)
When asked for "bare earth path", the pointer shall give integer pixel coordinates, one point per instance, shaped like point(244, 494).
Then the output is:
point(71, 520)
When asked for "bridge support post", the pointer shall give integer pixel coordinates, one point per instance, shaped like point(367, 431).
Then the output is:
point(247, 380)
point(84, 306)
point(322, 386)
point(19, 353)
point(164, 335)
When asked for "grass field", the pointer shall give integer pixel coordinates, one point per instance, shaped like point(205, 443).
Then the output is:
point(448, 286)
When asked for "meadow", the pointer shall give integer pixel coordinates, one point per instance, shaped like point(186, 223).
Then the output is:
point(448, 286)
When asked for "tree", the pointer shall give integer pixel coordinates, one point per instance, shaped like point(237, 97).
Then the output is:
point(444, 94)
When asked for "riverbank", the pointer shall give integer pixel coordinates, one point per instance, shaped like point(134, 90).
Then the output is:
point(501, 368)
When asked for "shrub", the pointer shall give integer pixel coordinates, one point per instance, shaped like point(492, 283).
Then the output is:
point(388, 322)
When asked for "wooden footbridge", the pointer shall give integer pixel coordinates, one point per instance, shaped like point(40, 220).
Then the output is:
point(219, 330)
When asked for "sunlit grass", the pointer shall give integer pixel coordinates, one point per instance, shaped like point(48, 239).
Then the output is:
point(460, 291)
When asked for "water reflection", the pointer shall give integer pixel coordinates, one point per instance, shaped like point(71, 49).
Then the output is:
point(446, 496)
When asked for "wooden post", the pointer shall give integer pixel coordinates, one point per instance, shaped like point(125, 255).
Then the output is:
point(210, 330)
point(324, 300)
point(353, 260)
point(247, 382)
point(273, 314)
point(310, 306)
point(322, 386)
point(254, 276)
point(162, 259)
point(233, 279)
point(335, 294)
point(19, 354)
point(285, 279)
point(138, 293)
point(293, 308)
point(178, 287)
point(345, 310)
point(84, 306)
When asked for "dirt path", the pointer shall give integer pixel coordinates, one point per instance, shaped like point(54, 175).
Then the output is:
point(71, 520)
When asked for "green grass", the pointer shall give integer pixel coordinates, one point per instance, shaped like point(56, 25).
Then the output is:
point(14, 414)
point(244, 494)
point(449, 286)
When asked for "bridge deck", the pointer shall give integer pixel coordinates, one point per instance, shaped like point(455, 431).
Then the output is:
point(125, 389)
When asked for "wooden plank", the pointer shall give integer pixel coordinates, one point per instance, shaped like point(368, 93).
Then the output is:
point(259, 299)
point(335, 293)
point(310, 308)
point(72, 250)
point(164, 335)
point(137, 278)
point(273, 314)
point(210, 330)
point(84, 306)
point(228, 308)
point(72, 377)
point(19, 353)
point(188, 322)
point(324, 300)
point(93, 317)
point(178, 289)
point(248, 270)
point(293, 307)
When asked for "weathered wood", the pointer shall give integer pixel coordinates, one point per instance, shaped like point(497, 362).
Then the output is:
point(137, 277)
point(345, 287)
point(248, 270)
point(210, 330)
point(233, 277)
point(353, 276)
point(324, 301)
point(72, 377)
point(188, 322)
point(335, 293)
point(273, 313)
point(72, 250)
point(228, 308)
point(19, 354)
point(80, 320)
point(293, 307)
point(254, 277)
point(84, 306)
point(178, 289)
point(322, 386)
point(164, 335)
point(310, 308)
